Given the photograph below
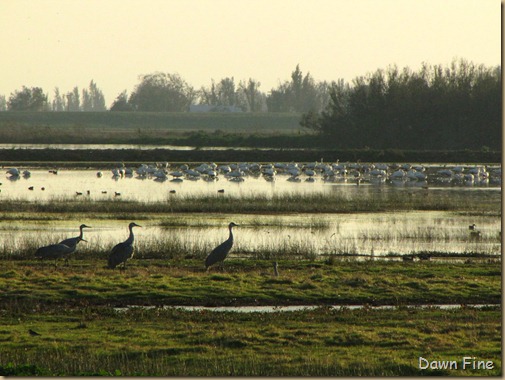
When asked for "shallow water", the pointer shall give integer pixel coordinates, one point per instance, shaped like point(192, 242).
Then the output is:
point(363, 233)
point(292, 308)
point(366, 234)
point(115, 146)
point(43, 185)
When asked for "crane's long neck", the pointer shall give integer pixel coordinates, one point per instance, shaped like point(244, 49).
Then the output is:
point(230, 238)
point(130, 238)
point(80, 235)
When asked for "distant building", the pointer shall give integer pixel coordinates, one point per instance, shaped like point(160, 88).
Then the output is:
point(212, 108)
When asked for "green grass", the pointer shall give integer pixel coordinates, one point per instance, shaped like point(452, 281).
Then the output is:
point(245, 282)
point(321, 342)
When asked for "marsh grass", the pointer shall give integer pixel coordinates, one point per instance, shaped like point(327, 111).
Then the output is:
point(259, 203)
point(266, 221)
point(305, 242)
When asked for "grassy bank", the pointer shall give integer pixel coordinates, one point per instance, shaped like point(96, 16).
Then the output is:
point(321, 342)
point(29, 283)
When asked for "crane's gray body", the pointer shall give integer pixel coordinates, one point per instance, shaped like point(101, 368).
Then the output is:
point(54, 251)
point(122, 251)
point(219, 253)
point(72, 242)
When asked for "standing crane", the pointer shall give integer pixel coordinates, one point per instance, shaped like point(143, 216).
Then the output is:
point(72, 242)
point(75, 240)
point(219, 253)
point(122, 251)
point(62, 249)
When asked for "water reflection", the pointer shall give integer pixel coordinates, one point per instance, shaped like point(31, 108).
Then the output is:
point(115, 146)
point(263, 235)
point(277, 236)
point(103, 184)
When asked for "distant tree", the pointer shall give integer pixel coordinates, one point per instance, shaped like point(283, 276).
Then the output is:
point(255, 99)
point(278, 99)
point(86, 104)
point(301, 94)
point(226, 92)
point(58, 101)
point(222, 93)
point(208, 95)
point(161, 92)
point(73, 100)
point(97, 98)
point(28, 99)
point(92, 99)
point(121, 103)
point(3, 103)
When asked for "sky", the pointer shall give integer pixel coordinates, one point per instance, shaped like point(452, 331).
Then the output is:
point(68, 43)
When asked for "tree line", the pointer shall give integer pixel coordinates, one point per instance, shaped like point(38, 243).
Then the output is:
point(455, 107)
point(444, 107)
point(166, 92)
point(90, 99)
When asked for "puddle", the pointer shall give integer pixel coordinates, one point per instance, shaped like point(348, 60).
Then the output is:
point(293, 308)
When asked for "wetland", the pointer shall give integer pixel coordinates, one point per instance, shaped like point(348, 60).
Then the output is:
point(339, 242)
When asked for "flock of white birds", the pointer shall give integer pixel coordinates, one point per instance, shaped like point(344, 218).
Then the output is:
point(312, 171)
point(307, 172)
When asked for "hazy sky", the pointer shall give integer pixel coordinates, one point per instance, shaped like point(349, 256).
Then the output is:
point(66, 43)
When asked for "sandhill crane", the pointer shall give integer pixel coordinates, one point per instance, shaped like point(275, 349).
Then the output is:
point(122, 251)
point(72, 242)
point(219, 253)
point(62, 249)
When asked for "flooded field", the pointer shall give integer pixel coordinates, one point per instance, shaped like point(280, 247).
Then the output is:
point(281, 236)
point(265, 236)
point(155, 183)
point(347, 257)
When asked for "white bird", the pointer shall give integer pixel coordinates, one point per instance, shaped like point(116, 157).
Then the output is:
point(13, 172)
point(177, 174)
